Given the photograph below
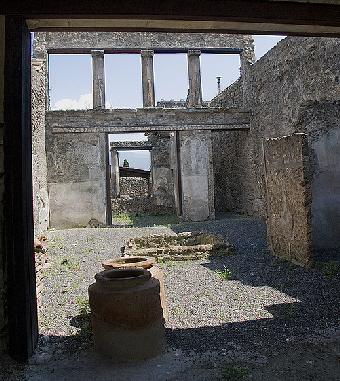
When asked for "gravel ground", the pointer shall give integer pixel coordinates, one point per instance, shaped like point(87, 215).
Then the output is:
point(269, 314)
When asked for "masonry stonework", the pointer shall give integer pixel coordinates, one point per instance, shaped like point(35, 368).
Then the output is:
point(40, 193)
point(297, 70)
point(227, 139)
point(321, 123)
point(288, 198)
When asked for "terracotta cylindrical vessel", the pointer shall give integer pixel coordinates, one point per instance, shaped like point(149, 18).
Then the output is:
point(143, 262)
point(127, 316)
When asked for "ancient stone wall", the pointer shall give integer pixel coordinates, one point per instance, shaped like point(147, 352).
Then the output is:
point(321, 123)
point(231, 97)
point(133, 186)
point(296, 70)
point(231, 168)
point(288, 198)
point(39, 165)
point(76, 178)
point(139, 206)
point(197, 176)
point(3, 330)
point(145, 40)
point(162, 177)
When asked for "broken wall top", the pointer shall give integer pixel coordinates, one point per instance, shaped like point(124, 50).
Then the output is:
point(44, 41)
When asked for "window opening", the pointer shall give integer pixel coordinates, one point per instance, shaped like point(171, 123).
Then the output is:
point(123, 80)
point(225, 66)
point(70, 81)
point(171, 77)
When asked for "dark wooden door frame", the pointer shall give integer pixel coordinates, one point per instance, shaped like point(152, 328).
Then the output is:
point(18, 199)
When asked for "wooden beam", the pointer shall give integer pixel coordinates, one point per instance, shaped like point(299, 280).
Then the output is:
point(288, 12)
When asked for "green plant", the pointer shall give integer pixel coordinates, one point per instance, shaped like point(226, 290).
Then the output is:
point(330, 269)
point(234, 371)
point(177, 309)
point(225, 273)
point(84, 305)
point(122, 218)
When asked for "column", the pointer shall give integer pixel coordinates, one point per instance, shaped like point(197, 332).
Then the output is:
point(148, 78)
point(114, 173)
point(98, 79)
point(194, 74)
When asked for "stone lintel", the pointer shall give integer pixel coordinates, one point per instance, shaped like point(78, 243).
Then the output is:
point(141, 120)
point(116, 129)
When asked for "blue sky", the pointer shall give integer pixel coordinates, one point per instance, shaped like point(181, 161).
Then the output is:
point(72, 88)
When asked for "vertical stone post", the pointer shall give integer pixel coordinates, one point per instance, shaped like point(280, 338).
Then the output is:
point(247, 58)
point(114, 173)
point(98, 79)
point(148, 78)
point(194, 74)
point(39, 162)
point(196, 175)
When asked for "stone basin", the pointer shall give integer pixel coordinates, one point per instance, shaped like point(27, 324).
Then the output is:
point(179, 247)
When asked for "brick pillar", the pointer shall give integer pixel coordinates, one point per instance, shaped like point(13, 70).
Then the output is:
point(115, 190)
point(194, 74)
point(148, 78)
point(98, 79)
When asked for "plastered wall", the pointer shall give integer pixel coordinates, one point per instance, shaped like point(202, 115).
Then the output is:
point(197, 175)
point(287, 195)
point(321, 122)
point(76, 178)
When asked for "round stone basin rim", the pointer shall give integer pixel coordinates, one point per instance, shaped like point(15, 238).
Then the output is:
point(129, 262)
point(121, 275)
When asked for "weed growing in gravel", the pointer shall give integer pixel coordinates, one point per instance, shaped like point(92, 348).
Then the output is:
point(83, 319)
point(83, 304)
point(330, 269)
point(225, 273)
point(68, 264)
point(234, 371)
point(177, 310)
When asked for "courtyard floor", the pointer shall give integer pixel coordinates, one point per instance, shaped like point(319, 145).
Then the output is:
point(248, 316)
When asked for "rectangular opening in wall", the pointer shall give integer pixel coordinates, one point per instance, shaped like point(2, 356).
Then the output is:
point(123, 80)
point(225, 66)
point(171, 77)
point(139, 159)
point(70, 81)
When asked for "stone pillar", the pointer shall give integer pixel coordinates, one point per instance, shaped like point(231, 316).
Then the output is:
point(98, 79)
point(194, 74)
point(148, 78)
point(39, 162)
point(115, 190)
point(196, 175)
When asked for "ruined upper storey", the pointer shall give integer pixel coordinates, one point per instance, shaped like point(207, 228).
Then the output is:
point(57, 41)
